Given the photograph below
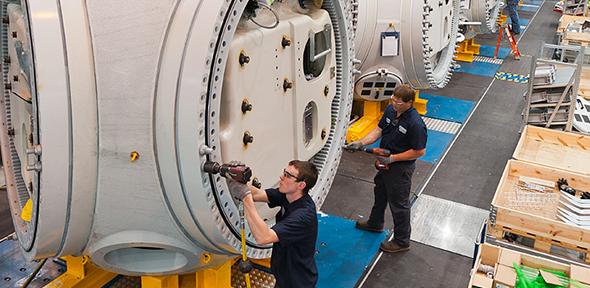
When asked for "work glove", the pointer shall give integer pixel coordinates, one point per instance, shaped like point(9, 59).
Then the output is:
point(237, 189)
point(354, 146)
point(385, 160)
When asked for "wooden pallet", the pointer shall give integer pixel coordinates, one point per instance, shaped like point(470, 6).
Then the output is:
point(563, 150)
point(567, 19)
point(537, 221)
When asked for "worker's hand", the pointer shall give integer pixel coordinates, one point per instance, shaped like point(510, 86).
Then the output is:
point(354, 146)
point(386, 160)
point(237, 189)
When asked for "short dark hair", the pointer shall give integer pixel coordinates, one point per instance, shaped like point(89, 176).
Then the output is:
point(405, 93)
point(308, 173)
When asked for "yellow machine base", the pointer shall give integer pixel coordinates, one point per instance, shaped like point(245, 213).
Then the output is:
point(467, 50)
point(81, 273)
point(372, 112)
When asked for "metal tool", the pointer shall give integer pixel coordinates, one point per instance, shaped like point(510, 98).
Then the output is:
point(238, 172)
point(375, 151)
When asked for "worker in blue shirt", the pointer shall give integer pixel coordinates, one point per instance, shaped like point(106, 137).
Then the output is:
point(295, 233)
point(402, 132)
point(511, 8)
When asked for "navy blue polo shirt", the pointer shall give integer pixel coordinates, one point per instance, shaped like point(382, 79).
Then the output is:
point(403, 133)
point(292, 262)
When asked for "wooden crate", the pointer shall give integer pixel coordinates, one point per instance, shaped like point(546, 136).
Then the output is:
point(563, 150)
point(533, 214)
point(567, 19)
point(494, 256)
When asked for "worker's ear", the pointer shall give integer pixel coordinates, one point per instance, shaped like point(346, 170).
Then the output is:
point(301, 185)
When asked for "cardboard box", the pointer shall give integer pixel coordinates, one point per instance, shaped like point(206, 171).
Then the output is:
point(505, 275)
point(509, 257)
point(482, 281)
point(580, 274)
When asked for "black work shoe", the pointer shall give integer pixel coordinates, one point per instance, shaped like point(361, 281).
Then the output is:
point(364, 225)
point(392, 247)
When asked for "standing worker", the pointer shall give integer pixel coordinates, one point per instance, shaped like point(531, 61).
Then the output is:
point(295, 233)
point(511, 7)
point(403, 133)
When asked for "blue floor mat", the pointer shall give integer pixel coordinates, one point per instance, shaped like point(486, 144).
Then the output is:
point(479, 68)
point(447, 108)
point(436, 145)
point(488, 51)
point(533, 2)
point(343, 252)
point(532, 8)
point(523, 23)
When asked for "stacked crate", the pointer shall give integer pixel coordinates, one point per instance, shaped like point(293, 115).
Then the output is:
point(528, 204)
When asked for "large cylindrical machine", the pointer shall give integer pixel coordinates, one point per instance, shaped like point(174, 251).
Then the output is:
point(110, 108)
point(485, 12)
point(404, 41)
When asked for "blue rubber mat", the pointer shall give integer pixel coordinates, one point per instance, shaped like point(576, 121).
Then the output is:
point(478, 68)
point(447, 108)
point(436, 145)
point(527, 8)
point(533, 2)
point(343, 252)
point(488, 51)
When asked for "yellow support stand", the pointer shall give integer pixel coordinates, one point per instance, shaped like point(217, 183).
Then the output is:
point(170, 281)
point(372, 112)
point(371, 116)
point(219, 277)
point(467, 50)
point(81, 273)
point(215, 277)
point(420, 103)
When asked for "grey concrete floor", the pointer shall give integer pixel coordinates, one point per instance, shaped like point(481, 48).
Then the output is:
point(468, 174)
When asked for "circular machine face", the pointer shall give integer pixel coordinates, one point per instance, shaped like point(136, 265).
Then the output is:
point(279, 94)
point(416, 38)
point(18, 132)
point(263, 94)
point(486, 12)
point(439, 29)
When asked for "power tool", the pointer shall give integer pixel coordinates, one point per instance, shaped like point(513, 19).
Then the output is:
point(379, 152)
point(241, 173)
point(375, 151)
point(236, 171)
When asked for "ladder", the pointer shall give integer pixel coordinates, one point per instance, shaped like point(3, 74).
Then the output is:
point(504, 28)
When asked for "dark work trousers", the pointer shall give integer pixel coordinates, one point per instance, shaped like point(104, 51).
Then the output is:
point(393, 187)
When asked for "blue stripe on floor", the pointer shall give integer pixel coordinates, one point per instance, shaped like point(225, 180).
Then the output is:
point(533, 2)
point(532, 8)
point(436, 146)
point(343, 252)
point(447, 108)
point(488, 51)
point(478, 68)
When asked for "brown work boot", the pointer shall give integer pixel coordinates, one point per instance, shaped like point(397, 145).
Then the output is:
point(392, 247)
point(364, 225)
